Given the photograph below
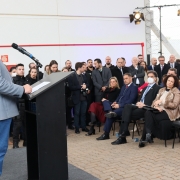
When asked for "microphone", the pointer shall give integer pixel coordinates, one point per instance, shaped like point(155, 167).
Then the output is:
point(23, 51)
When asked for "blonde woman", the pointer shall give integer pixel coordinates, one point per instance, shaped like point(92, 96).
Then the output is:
point(96, 108)
point(53, 67)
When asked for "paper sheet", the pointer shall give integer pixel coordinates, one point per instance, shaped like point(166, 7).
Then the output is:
point(39, 86)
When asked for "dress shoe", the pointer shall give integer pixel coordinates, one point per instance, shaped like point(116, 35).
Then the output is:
point(77, 131)
point(127, 133)
point(110, 115)
point(71, 127)
point(15, 144)
point(85, 129)
point(103, 137)
point(149, 138)
point(141, 143)
point(24, 143)
point(120, 140)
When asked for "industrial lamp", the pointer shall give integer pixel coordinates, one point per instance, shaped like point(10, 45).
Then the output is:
point(137, 16)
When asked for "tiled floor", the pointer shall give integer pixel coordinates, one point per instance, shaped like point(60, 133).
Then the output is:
point(127, 161)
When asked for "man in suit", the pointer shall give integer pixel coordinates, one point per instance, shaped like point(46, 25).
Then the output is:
point(128, 95)
point(8, 94)
point(119, 71)
point(137, 72)
point(100, 77)
point(161, 68)
point(136, 112)
point(78, 86)
point(173, 64)
point(108, 63)
point(153, 64)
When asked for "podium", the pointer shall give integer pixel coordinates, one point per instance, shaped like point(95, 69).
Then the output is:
point(46, 130)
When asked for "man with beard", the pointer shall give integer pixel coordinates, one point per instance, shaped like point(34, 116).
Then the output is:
point(108, 63)
point(90, 67)
point(68, 65)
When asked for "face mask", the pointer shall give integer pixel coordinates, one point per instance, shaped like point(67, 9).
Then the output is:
point(13, 74)
point(150, 80)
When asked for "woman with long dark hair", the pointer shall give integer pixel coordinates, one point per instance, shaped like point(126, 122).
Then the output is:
point(167, 109)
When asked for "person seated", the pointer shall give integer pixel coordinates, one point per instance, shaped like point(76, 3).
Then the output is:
point(96, 108)
point(163, 77)
point(167, 103)
point(136, 112)
point(31, 78)
point(128, 95)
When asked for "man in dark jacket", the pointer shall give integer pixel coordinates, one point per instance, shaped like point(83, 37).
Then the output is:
point(100, 77)
point(128, 95)
point(119, 71)
point(135, 112)
point(19, 121)
point(90, 67)
point(162, 68)
point(108, 63)
point(137, 72)
point(78, 86)
point(68, 65)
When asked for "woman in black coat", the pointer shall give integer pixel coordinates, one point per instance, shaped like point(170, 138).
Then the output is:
point(96, 108)
point(31, 78)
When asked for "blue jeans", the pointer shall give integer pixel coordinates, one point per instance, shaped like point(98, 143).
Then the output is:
point(4, 136)
point(80, 114)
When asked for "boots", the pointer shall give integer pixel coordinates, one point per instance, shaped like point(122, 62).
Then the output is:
point(91, 131)
point(15, 144)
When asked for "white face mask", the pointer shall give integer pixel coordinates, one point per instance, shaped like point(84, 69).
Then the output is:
point(150, 80)
point(13, 74)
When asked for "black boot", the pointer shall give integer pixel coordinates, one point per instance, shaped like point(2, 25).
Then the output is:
point(91, 131)
point(15, 144)
point(103, 136)
point(120, 140)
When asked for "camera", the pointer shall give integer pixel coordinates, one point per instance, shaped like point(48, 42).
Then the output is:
point(84, 91)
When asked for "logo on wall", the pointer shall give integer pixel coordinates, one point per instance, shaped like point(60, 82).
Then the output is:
point(4, 58)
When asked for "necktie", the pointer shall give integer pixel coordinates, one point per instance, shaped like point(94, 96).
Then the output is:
point(126, 86)
point(161, 68)
point(171, 65)
point(145, 92)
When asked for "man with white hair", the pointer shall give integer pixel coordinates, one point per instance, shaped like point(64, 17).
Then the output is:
point(153, 63)
point(108, 63)
point(137, 72)
point(173, 64)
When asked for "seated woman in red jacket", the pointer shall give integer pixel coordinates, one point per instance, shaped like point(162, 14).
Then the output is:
point(96, 108)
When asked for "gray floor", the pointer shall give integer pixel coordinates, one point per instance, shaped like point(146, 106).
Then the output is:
point(15, 167)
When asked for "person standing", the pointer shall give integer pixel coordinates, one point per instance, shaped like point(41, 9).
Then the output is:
point(153, 64)
point(173, 64)
point(8, 94)
point(68, 64)
point(118, 71)
point(100, 76)
point(108, 63)
point(78, 86)
point(90, 67)
point(162, 68)
point(137, 72)
point(19, 121)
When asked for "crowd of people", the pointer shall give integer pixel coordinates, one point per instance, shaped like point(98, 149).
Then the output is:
point(97, 94)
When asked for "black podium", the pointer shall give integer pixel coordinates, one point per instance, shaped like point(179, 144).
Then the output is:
point(46, 130)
